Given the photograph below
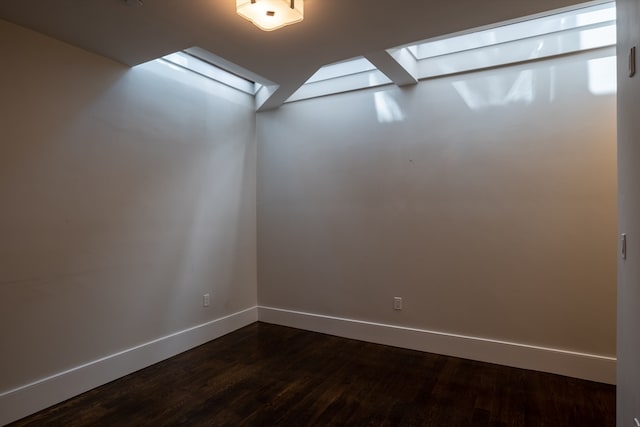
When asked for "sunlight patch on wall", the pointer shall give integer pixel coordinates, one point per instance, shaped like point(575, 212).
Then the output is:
point(602, 75)
point(496, 91)
point(387, 108)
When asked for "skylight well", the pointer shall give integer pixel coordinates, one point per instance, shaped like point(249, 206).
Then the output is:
point(566, 32)
point(197, 65)
point(590, 28)
point(353, 74)
point(602, 16)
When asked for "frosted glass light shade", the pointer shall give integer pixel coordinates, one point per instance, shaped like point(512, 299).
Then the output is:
point(269, 15)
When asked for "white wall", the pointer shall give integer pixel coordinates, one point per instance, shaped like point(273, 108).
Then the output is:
point(126, 195)
point(486, 200)
point(629, 217)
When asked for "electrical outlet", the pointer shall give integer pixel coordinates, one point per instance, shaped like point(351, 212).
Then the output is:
point(397, 303)
point(206, 300)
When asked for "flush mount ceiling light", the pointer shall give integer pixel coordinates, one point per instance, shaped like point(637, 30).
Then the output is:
point(269, 15)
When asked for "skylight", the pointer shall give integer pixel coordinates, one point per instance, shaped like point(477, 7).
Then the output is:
point(594, 17)
point(206, 69)
point(588, 28)
point(344, 76)
point(566, 32)
point(341, 69)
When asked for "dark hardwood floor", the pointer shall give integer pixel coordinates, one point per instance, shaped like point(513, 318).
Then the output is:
point(266, 375)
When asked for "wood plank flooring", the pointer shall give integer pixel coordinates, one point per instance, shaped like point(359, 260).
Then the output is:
point(267, 375)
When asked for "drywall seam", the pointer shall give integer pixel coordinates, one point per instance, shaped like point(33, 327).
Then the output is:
point(573, 364)
point(29, 398)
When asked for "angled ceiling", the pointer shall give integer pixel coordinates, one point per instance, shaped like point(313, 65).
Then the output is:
point(332, 30)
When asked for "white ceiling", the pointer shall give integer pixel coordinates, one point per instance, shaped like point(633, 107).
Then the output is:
point(332, 30)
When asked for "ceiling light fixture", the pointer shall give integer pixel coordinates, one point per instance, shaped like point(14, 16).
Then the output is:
point(269, 15)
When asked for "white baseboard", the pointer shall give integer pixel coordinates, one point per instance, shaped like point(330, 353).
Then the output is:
point(30, 398)
point(578, 365)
